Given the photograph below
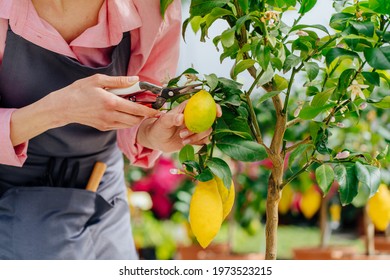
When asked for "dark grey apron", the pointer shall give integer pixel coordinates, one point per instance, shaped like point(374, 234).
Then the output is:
point(61, 220)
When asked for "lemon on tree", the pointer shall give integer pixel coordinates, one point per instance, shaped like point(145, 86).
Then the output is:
point(227, 196)
point(310, 202)
point(379, 208)
point(200, 112)
point(211, 202)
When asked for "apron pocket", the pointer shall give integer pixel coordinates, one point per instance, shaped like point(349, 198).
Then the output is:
point(49, 223)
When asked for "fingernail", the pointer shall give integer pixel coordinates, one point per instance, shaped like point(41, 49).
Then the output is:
point(186, 141)
point(133, 79)
point(183, 133)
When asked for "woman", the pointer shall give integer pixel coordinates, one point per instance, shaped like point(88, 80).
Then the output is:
point(57, 119)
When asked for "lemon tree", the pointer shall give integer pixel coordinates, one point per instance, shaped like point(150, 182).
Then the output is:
point(309, 83)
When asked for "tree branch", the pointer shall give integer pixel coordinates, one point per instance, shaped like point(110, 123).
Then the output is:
point(293, 122)
point(296, 145)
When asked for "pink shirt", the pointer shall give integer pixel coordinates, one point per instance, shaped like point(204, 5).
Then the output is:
point(154, 55)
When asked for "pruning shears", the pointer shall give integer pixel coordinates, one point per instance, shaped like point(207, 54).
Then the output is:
point(152, 95)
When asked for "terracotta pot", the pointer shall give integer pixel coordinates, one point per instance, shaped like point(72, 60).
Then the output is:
point(368, 257)
point(193, 251)
point(325, 253)
point(218, 251)
point(382, 244)
point(230, 256)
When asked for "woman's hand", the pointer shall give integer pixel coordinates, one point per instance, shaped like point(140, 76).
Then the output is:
point(168, 132)
point(85, 102)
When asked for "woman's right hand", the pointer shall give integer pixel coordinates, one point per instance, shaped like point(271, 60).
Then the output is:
point(85, 102)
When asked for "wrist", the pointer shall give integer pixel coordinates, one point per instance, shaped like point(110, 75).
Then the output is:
point(143, 134)
point(56, 109)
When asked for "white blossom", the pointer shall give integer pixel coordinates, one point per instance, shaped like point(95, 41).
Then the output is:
point(356, 89)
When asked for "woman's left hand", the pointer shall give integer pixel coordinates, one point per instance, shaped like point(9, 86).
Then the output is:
point(168, 132)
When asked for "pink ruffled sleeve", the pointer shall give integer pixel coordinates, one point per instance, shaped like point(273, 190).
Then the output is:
point(9, 154)
point(154, 59)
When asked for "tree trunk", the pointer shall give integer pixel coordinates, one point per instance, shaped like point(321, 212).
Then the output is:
point(324, 225)
point(272, 214)
point(369, 233)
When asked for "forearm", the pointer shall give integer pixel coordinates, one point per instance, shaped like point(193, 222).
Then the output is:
point(34, 119)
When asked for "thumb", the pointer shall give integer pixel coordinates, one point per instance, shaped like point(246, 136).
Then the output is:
point(105, 81)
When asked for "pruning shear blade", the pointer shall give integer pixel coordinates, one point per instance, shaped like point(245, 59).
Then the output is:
point(138, 93)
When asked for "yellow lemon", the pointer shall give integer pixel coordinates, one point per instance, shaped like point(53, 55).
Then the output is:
point(206, 212)
point(310, 202)
point(286, 199)
point(200, 112)
point(379, 208)
point(227, 196)
point(335, 212)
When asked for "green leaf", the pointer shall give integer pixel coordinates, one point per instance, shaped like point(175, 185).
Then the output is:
point(267, 96)
point(345, 175)
point(339, 21)
point(316, 26)
point(242, 66)
point(164, 4)
point(361, 199)
point(263, 55)
point(337, 53)
point(369, 176)
point(280, 83)
point(312, 70)
point(227, 37)
point(324, 177)
point(244, 4)
point(307, 5)
point(380, 6)
point(226, 131)
point(372, 78)
point(321, 98)
point(221, 169)
point(212, 81)
point(187, 153)
point(309, 112)
point(192, 164)
point(383, 103)
point(196, 23)
point(378, 58)
point(345, 79)
point(291, 61)
point(203, 7)
point(241, 149)
point(174, 81)
point(299, 151)
point(365, 28)
point(205, 176)
point(216, 13)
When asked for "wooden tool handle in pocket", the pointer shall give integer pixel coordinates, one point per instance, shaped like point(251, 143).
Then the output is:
point(96, 176)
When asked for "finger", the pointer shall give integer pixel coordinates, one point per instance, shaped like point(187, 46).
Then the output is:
point(122, 120)
point(105, 81)
point(196, 137)
point(133, 108)
point(219, 111)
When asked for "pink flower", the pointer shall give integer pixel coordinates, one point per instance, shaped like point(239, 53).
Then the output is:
point(342, 155)
point(159, 183)
point(162, 206)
